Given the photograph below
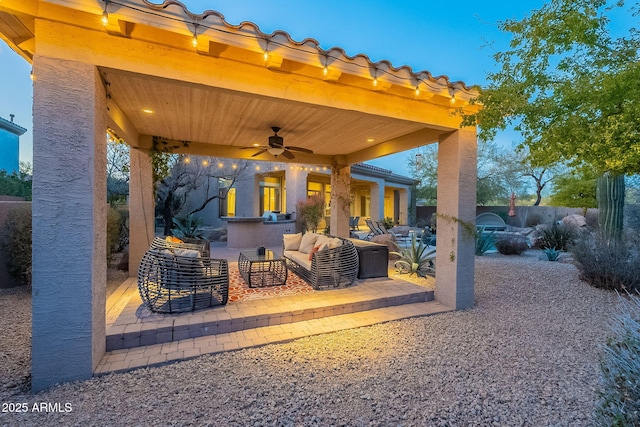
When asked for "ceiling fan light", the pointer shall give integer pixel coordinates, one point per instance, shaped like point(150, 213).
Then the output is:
point(275, 151)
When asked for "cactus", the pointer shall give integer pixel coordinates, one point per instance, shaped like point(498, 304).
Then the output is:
point(610, 197)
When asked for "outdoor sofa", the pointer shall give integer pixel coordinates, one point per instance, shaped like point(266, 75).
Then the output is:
point(322, 261)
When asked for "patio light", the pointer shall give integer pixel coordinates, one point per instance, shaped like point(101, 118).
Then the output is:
point(194, 40)
point(275, 151)
point(105, 14)
point(417, 90)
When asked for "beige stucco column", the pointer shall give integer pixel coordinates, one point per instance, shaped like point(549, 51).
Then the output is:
point(404, 206)
point(377, 201)
point(455, 253)
point(69, 221)
point(340, 200)
point(295, 187)
point(141, 208)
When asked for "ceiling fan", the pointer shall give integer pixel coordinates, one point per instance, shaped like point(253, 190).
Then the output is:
point(276, 146)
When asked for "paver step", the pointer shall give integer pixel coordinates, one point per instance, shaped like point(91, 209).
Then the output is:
point(162, 353)
point(128, 332)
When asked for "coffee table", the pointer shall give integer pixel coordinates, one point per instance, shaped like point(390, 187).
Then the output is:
point(262, 270)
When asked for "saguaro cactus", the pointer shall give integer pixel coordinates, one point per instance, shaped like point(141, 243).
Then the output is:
point(610, 197)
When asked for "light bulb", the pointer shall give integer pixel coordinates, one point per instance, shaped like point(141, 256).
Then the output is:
point(375, 81)
point(266, 56)
point(417, 90)
point(453, 99)
point(32, 76)
point(105, 17)
point(325, 70)
point(194, 40)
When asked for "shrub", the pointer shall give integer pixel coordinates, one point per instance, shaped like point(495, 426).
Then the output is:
point(609, 264)
point(117, 231)
point(557, 235)
point(311, 211)
point(619, 403)
point(416, 259)
point(15, 242)
point(484, 241)
point(388, 223)
point(511, 246)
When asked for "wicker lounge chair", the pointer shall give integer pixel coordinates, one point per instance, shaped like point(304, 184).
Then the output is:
point(170, 282)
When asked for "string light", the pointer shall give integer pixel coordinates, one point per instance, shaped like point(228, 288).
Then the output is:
point(105, 14)
point(266, 54)
point(32, 76)
point(194, 40)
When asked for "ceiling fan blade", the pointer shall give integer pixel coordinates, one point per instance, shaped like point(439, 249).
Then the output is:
point(259, 152)
point(288, 154)
point(302, 150)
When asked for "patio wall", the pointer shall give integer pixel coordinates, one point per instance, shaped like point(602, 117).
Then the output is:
point(525, 215)
point(6, 204)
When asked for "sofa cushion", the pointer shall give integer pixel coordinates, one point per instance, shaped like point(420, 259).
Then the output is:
point(301, 258)
point(328, 242)
point(313, 251)
point(308, 242)
point(292, 241)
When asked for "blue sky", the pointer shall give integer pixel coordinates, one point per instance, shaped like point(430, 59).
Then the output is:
point(455, 38)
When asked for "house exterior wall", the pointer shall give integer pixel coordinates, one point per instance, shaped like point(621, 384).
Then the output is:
point(10, 145)
point(295, 180)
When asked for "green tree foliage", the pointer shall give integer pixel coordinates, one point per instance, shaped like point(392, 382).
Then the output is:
point(17, 184)
point(568, 87)
point(575, 190)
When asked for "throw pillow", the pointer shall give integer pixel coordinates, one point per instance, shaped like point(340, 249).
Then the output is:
point(292, 241)
point(308, 242)
point(313, 251)
point(323, 242)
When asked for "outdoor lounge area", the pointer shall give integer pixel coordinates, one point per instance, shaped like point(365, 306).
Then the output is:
point(137, 336)
point(138, 72)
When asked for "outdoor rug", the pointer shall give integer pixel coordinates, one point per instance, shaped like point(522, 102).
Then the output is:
point(240, 291)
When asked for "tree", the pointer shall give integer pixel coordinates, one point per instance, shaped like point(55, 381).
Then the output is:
point(189, 174)
point(17, 183)
point(499, 173)
point(568, 87)
point(575, 190)
point(118, 162)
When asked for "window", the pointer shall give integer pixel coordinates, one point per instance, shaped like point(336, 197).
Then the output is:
point(270, 194)
point(227, 198)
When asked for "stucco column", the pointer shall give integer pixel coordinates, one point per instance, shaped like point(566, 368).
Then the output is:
point(404, 206)
point(141, 208)
point(377, 201)
point(69, 221)
point(455, 253)
point(340, 200)
point(296, 189)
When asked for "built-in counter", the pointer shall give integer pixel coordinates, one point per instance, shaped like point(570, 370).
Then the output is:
point(253, 232)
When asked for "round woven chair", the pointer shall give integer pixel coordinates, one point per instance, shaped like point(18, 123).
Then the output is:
point(172, 283)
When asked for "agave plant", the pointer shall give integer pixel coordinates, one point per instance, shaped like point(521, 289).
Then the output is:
point(484, 241)
point(189, 227)
point(552, 254)
point(416, 259)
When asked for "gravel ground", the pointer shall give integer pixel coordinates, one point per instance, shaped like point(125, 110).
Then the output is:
point(525, 355)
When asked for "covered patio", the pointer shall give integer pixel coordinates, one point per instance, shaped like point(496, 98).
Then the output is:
point(164, 78)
